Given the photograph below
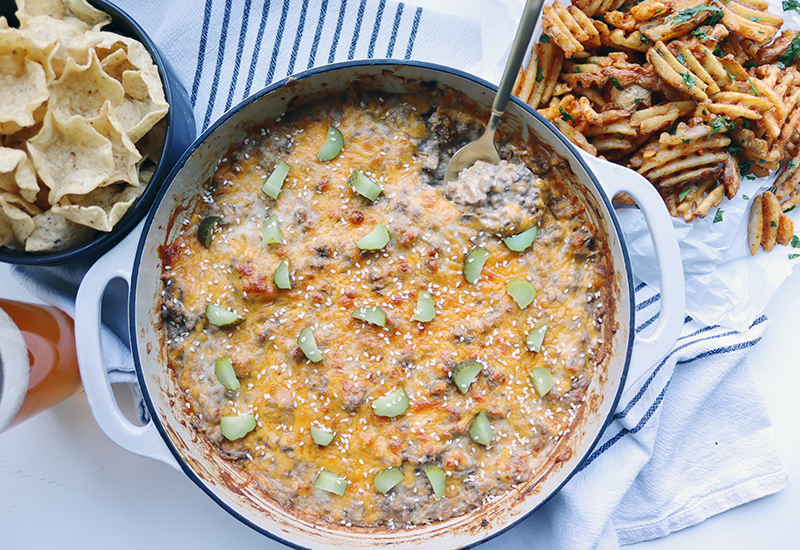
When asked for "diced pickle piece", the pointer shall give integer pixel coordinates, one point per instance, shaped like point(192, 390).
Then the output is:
point(236, 427)
point(535, 338)
point(388, 478)
point(364, 186)
point(332, 146)
point(308, 345)
point(271, 231)
point(321, 437)
point(542, 380)
point(223, 369)
point(281, 278)
point(375, 239)
point(481, 430)
point(438, 480)
point(392, 404)
point(465, 373)
point(221, 317)
point(521, 242)
point(522, 291)
point(473, 264)
point(272, 187)
point(330, 482)
point(426, 308)
point(206, 230)
point(374, 315)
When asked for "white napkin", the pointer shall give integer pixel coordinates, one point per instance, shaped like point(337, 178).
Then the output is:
point(690, 441)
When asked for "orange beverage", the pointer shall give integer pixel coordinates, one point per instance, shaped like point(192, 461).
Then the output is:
point(38, 362)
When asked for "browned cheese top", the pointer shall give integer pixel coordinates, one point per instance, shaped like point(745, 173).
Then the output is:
point(402, 143)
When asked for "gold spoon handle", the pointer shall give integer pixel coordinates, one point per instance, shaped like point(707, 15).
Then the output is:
point(530, 14)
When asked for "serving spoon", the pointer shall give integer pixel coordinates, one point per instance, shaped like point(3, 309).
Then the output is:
point(484, 147)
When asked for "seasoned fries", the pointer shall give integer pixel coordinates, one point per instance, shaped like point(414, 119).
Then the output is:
point(692, 94)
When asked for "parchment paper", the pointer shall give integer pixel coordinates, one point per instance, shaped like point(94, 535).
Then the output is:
point(725, 285)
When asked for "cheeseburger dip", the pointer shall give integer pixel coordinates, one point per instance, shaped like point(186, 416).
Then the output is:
point(368, 345)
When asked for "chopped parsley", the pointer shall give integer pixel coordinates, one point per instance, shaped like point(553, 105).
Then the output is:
point(793, 256)
point(790, 164)
point(754, 19)
point(745, 197)
point(752, 87)
point(790, 54)
point(749, 64)
point(781, 65)
point(681, 59)
point(686, 140)
point(791, 5)
point(615, 83)
point(721, 124)
point(729, 74)
point(539, 74)
point(689, 79)
point(545, 39)
point(702, 34)
point(565, 116)
point(644, 39)
point(718, 51)
point(685, 192)
point(716, 18)
point(734, 148)
point(744, 167)
point(686, 14)
point(672, 128)
point(774, 224)
point(795, 241)
point(789, 209)
point(718, 216)
point(578, 69)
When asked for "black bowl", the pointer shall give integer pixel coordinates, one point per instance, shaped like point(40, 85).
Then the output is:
point(179, 135)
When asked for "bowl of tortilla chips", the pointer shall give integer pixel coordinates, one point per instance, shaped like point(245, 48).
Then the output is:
point(92, 119)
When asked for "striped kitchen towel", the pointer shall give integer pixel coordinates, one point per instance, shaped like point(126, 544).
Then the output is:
point(226, 50)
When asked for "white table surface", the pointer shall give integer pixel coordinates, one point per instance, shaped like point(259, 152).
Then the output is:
point(64, 485)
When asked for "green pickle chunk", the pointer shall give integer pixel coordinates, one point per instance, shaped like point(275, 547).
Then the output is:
point(321, 437)
point(542, 380)
point(473, 264)
point(465, 373)
point(332, 146)
point(375, 239)
point(236, 427)
point(271, 231)
point(426, 308)
point(206, 230)
point(281, 278)
point(388, 478)
point(521, 291)
point(481, 430)
point(392, 404)
point(223, 369)
point(364, 186)
point(221, 317)
point(438, 480)
point(373, 314)
point(522, 241)
point(308, 345)
point(272, 187)
point(330, 482)
point(535, 338)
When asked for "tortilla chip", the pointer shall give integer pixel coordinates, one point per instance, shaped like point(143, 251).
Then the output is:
point(16, 215)
point(83, 90)
point(16, 174)
point(126, 156)
point(71, 157)
point(23, 88)
point(139, 116)
point(100, 209)
point(54, 233)
point(152, 143)
point(61, 9)
point(106, 43)
point(64, 39)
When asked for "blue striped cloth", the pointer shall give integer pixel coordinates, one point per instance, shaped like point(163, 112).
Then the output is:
point(689, 441)
point(226, 50)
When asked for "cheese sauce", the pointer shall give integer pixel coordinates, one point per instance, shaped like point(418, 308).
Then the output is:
point(403, 144)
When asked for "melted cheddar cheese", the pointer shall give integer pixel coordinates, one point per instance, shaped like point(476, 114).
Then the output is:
point(402, 143)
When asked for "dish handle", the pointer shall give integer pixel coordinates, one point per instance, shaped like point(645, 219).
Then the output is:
point(141, 440)
point(647, 351)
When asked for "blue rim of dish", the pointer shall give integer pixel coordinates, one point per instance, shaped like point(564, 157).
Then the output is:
point(102, 241)
point(276, 86)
